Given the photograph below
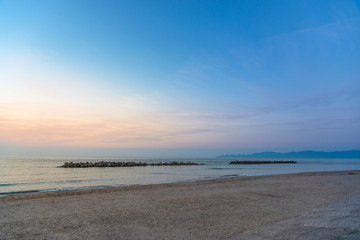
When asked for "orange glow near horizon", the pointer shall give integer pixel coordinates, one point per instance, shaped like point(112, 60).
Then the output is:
point(52, 108)
point(41, 125)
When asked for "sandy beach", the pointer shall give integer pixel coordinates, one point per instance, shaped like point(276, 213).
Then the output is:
point(323, 205)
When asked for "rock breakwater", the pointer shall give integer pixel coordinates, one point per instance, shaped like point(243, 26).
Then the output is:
point(123, 164)
point(260, 162)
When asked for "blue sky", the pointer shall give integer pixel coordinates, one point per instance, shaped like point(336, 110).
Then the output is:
point(178, 77)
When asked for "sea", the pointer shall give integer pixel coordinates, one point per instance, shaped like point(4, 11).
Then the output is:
point(19, 175)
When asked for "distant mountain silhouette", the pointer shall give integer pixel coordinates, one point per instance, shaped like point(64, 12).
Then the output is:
point(303, 154)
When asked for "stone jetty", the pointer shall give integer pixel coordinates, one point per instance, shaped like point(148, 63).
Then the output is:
point(260, 162)
point(123, 164)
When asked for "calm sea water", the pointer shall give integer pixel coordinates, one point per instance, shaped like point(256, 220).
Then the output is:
point(34, 174)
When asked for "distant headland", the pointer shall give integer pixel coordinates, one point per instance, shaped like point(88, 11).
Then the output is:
point(303, 154)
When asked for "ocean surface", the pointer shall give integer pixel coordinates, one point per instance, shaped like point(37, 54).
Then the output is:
point(39, 174)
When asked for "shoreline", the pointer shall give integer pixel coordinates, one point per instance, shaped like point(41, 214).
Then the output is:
point(90, 188)
point(110, 188)
point(234, 208)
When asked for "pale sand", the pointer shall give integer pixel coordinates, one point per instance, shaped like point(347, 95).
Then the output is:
point(322, 205)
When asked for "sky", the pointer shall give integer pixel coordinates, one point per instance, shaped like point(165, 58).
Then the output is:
point(178, 78)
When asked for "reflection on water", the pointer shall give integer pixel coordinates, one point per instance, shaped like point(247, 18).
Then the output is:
point(29, 174)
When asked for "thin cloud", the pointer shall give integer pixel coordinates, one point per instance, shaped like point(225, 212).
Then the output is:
point(219, 115)
point(334, 31)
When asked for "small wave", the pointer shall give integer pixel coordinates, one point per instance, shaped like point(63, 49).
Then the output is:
point(18, 192)
point(230, 175)
point(80, 188)
point(2, 194)
point(69, 188)
point(67, 181)
point(8, 184)
point(219, 168)
point(40, 182)
point(238, 175)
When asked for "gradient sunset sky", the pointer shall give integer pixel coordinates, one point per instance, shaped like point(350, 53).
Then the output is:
point(178, 78)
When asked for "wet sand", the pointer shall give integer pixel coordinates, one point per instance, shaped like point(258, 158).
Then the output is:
point(323, 205)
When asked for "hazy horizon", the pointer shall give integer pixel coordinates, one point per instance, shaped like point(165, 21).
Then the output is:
point(178, 78)
point(139, 153)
